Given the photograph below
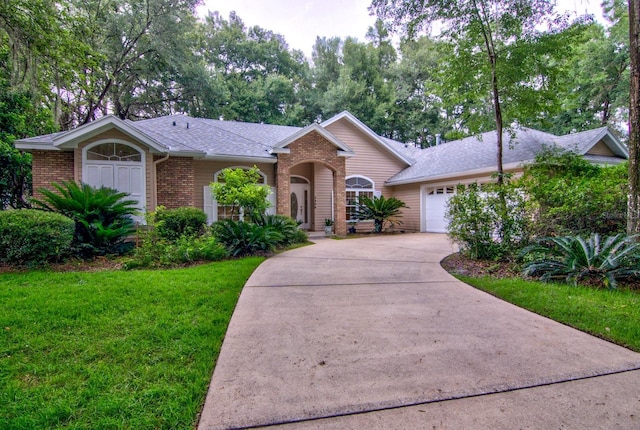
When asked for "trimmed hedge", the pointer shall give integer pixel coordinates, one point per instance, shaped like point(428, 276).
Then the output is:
point(184, 221)
point(32, 237)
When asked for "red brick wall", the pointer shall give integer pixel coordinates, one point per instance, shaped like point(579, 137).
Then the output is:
point(175, 178)
point(313, 148)
point(50, 166)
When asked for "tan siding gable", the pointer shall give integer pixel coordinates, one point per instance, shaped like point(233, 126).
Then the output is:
point(601, 148)
point(371, 160)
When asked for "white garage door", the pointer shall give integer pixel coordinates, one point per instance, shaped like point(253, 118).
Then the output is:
point(435, 202)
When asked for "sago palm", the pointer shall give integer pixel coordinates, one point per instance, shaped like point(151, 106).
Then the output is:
point(380, 210)
point(574, 258)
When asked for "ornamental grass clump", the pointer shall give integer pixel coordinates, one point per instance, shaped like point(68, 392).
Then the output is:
point(574, 259)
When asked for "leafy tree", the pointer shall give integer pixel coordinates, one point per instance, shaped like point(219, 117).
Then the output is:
point(502, 43)
point(380, 210)
point(239, 188)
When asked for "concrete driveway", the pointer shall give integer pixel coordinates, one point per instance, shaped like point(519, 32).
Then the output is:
point(373, 333)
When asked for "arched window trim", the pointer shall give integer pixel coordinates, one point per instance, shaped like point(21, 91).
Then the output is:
point(87, 148)
point(353, 194)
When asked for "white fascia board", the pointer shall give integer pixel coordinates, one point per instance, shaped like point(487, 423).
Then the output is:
point(35, 146)
point(346, 154)
point(74, 137)
point(366, 130)
point(265, 160)
point(452, 176)
point(280, 151)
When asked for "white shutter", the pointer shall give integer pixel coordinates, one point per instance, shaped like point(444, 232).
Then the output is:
point(210, 205)
point(271, 210)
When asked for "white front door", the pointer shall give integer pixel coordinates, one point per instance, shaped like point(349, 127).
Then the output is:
point(300, 204)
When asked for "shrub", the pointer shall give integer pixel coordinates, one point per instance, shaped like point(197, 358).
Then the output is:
point(164, 253)
point(380, 210)
point(184, 221)
point(243, 238)
point(32, 237)
point(488, 222)
point(574, 258)
point(102, 215)
point(570, 196)
point(285, 226)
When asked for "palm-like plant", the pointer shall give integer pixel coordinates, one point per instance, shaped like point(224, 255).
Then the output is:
point(574, 258)
point(102, 215)
point(380, 210)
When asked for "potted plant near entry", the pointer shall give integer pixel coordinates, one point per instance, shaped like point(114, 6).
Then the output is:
point(328, 226)
point(352, 227)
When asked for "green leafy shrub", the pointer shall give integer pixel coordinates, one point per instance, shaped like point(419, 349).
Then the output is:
point(380, 210)
point(155, 252)
point(184, 221)
point(575, 259)
point(488, 222)
point(570, 196)
point(286, 226)
point(241, 191)
point(244, 238)
point(102, 215)
point(32, 237)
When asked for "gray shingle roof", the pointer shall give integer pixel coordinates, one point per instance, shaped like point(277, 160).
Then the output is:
point(480, 152)
point(214, 137)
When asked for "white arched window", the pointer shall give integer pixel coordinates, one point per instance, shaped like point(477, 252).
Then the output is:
point(217, 212)
point(356, 187)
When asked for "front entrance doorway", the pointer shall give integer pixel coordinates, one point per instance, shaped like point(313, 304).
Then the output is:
point(300, 201)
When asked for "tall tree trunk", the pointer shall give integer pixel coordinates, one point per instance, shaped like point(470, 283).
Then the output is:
point(498, 112)
point(633, 205)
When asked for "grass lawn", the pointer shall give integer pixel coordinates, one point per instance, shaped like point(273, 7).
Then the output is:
point(113, 349)
point(610, 314)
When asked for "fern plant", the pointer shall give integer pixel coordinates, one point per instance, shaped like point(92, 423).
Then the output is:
point(573, 258)
point(102, 215)
point(245, 238)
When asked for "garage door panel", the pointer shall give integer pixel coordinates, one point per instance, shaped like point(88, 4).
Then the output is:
point(436, 207)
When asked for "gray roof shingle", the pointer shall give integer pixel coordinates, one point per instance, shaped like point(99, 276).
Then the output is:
point(480, 152)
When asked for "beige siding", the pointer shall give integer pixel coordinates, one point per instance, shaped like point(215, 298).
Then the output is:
point(205, 169)
point(601, 148)
point(410, 194)
point(371, 159)
point(305, 170)
point(322, 191)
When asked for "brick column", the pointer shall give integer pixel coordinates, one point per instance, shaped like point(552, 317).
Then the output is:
point(175, 182)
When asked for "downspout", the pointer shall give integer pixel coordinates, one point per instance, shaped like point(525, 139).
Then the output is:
point(155, 180)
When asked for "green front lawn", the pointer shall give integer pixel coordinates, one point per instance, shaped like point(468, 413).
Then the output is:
point(610, 314)
point(113, 349)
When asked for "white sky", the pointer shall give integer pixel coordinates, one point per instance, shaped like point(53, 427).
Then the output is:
point(300, 21)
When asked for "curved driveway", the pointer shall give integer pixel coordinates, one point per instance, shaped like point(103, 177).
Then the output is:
point(373, 333)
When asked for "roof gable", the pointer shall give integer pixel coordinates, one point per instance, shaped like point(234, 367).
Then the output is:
point(343, 149)
point(72, 138)
point(387, 144)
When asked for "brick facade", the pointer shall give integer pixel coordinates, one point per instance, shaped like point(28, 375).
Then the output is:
point(175, 182)
point(313, 148)
point(50, 166)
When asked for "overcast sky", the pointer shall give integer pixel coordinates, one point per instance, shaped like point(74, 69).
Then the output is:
point(300, 21)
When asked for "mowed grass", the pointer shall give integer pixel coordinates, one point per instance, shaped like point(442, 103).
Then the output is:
point(113, 349)
point(610, 314)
